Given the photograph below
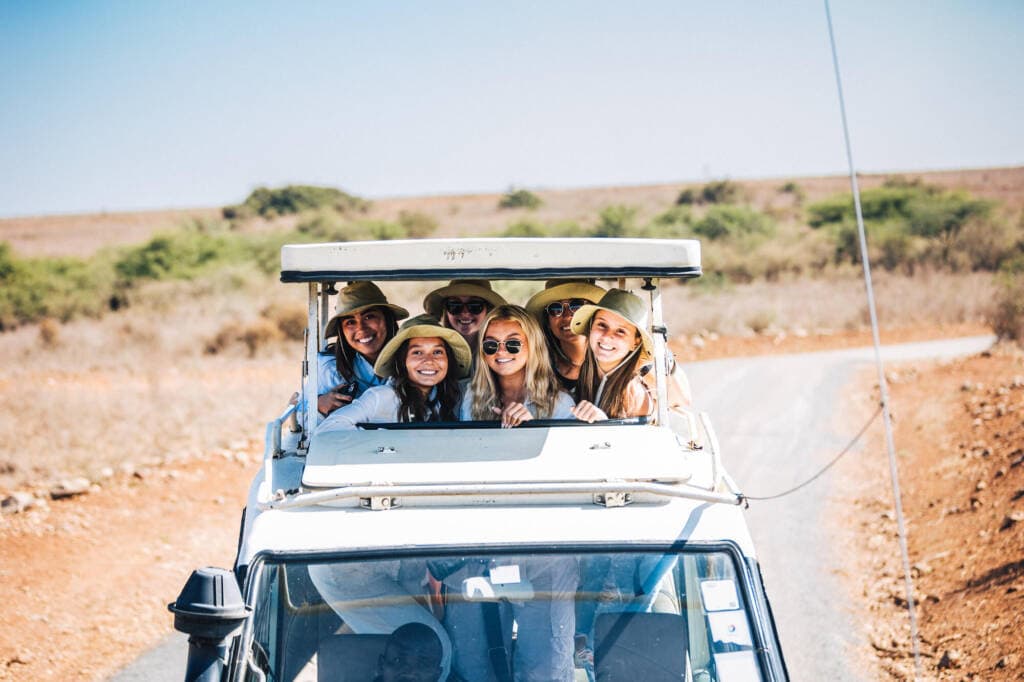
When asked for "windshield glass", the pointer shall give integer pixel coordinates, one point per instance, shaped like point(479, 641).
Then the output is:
point(539, 616)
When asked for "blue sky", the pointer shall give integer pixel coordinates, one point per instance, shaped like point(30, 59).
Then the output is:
point(132, 105)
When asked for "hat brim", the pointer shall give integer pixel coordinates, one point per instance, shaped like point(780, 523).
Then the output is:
point(332, 325)
point(581, 320)
point(540, 300)
point(434, 301)
point(463, 355)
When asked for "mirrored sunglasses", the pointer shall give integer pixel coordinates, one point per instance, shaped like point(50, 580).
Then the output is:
point(557, 309)
point(491, 346)
point(456, 307)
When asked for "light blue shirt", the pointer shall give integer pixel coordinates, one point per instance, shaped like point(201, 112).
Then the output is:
point(329, 377)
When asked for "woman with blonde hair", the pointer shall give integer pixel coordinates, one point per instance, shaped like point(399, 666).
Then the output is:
point(515, 381)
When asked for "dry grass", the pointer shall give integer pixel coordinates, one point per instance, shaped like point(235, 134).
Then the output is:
point(823, 305)
point(137, 386)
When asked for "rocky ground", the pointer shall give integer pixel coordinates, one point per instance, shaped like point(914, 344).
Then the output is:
point(959, 434)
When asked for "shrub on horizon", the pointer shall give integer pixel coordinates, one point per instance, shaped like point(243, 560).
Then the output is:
point(270, 203)
point(520, 198)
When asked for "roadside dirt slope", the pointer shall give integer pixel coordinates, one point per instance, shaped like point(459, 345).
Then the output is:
point(959, 434)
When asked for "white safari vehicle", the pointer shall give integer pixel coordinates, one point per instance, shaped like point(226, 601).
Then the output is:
point(556, 550)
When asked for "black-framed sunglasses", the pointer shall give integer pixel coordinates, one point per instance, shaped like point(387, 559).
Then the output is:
point(491, 346)
point(456, 307)
point(557, 309)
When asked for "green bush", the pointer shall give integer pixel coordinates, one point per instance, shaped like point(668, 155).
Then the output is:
point(417, 225)
point(687, 197)
point(720, 192)
point(60, 288)
point(1008, 317)
point(520, 198)
point(616, 221)
point(533, 228)
point(181, 254)
point(270, 203)
point(725, 222)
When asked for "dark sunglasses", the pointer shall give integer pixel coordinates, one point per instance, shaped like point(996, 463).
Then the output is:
point(456, 307)
point(557, 309)
point(490, 346)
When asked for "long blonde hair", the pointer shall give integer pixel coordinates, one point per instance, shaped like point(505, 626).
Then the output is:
point(541, 385)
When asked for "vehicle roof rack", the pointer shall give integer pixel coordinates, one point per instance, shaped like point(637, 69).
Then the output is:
point(490, 258)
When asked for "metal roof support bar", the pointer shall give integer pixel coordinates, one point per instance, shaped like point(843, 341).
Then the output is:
point(660, 349)
point(310, 389)
point(462, 489)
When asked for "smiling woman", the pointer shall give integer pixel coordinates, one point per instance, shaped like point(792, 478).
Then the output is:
point(424, 362)
point(515, 381)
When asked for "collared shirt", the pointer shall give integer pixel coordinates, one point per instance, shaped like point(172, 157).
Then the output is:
point(328, 376)
point(562, 408)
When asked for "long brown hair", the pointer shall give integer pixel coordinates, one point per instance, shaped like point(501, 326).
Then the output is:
point(613, 398)
point(541, 385)
point(345, 355)
point(412, 406)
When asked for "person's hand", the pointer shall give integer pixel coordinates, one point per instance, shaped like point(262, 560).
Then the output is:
point(331, 401)
point(587, 411)
point(513, 415)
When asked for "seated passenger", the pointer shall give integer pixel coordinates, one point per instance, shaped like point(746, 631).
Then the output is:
point(363, 322)
point(412, 654)
point(424, 362)
point(554, 307)
point(515, 382)
point(461, 305)
point(611, 384)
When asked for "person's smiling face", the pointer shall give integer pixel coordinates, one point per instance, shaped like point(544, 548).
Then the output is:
point(561, 325)
point(366, 331)
point(612, 338)
point(503, 363)
point(426, 361)
point(464, 321)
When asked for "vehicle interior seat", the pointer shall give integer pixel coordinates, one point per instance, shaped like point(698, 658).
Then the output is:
point(639, 646)
point(345, 658)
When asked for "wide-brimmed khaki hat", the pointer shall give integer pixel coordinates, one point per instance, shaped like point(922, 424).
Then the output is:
point(624, 303)
point(359, 296)
point(426, 326)
point(434, 302)
point(558, 289)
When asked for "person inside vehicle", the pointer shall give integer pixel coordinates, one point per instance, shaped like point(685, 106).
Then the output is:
point(515, 382)
point(422, 364)
point(363, 322)
point(554, 307)
point(412, 654)
point(461, 305)
point(611, 383)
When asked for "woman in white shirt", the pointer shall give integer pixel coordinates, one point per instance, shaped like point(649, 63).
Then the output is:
point(515, 382)
point(422, 364)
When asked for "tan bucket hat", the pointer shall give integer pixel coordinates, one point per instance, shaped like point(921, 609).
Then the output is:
point(425, 326)
point(434, 302)
point(557, 289)
point(624, 303)
point(359, 296)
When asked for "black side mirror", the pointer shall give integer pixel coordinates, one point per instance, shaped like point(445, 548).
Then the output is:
point(209, 610)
